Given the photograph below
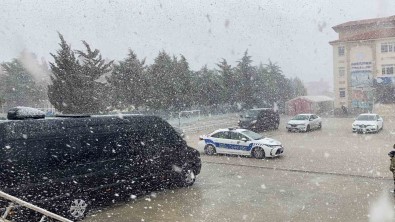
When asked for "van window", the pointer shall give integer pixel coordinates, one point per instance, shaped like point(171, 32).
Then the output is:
point(98, 147)
point(36, 154)
point(115, 146)
point(59, 151)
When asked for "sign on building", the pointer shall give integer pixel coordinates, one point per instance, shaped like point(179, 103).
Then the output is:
point(362, 85)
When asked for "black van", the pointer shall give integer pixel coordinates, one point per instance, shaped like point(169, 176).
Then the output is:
point(66, 163)
point(259, 119)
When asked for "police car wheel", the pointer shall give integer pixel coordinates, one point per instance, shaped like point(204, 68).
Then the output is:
point(258, 153)
point(210, 150)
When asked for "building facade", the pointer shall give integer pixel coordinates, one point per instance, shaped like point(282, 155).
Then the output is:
point(363, 54)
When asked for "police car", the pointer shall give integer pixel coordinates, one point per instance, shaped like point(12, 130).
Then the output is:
point(240, 142)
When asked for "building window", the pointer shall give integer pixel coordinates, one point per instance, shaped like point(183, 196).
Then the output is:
point(388, 47)
point(340, 50)
point(342, 82)
point(387, 69)
point(342, 92)
point(342, 72)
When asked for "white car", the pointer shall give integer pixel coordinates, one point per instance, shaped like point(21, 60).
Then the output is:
point(367, 123)
point(304, 122)
point(240, 142)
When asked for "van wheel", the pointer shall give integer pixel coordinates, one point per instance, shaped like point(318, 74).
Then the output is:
point(78, 209)
point(258, 153)
point(210, 150)
point(188, 178)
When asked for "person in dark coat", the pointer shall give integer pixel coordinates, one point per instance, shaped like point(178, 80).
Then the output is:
point(392, 165)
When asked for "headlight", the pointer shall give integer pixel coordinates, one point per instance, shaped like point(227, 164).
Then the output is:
point(274, 146)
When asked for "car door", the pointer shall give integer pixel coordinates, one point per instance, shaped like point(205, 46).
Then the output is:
point(317, 121)
point(311, 122)
point(221, 141)
point(379, 121)
point(238, 145)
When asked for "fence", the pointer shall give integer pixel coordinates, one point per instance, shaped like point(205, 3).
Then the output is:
point(14, 200)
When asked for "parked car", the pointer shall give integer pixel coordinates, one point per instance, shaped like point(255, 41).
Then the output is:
point(66, 163)
point(259, 119)
point(368, 123)
point(304, 123)
point(240, 142)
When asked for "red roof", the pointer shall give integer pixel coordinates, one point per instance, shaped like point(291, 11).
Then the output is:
point(374, 21)
point(377, 34)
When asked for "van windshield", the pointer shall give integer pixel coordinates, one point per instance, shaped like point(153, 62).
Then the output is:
point(251, 113)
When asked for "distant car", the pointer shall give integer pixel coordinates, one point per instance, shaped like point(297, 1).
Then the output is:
point(259, 119)
point(368, 123)
point(304, 123)
point(241, 142)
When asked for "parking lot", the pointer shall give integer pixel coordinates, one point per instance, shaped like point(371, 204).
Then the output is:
point(325, 175)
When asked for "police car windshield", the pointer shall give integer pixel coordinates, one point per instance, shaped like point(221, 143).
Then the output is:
point(366, 118)
point(252, 135)
point(301, 117)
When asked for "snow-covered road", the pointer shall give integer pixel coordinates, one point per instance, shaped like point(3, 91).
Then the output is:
point(325, 175)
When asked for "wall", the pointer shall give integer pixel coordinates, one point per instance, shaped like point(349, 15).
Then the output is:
point(298, 106)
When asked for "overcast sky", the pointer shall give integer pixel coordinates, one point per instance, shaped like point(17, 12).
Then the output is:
point(293, 33)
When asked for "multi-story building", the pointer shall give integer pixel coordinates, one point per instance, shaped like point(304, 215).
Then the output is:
point(364, 52)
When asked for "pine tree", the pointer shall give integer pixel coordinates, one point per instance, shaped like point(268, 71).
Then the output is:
point(128, 82)
point(208, 87)
point(95, 92)
point(298, 87)
point(18, 87)
point(246, 72)
point(75, 85)
point(181, 78)
point(161, 91)
point(65, 89)
point(229, 82)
